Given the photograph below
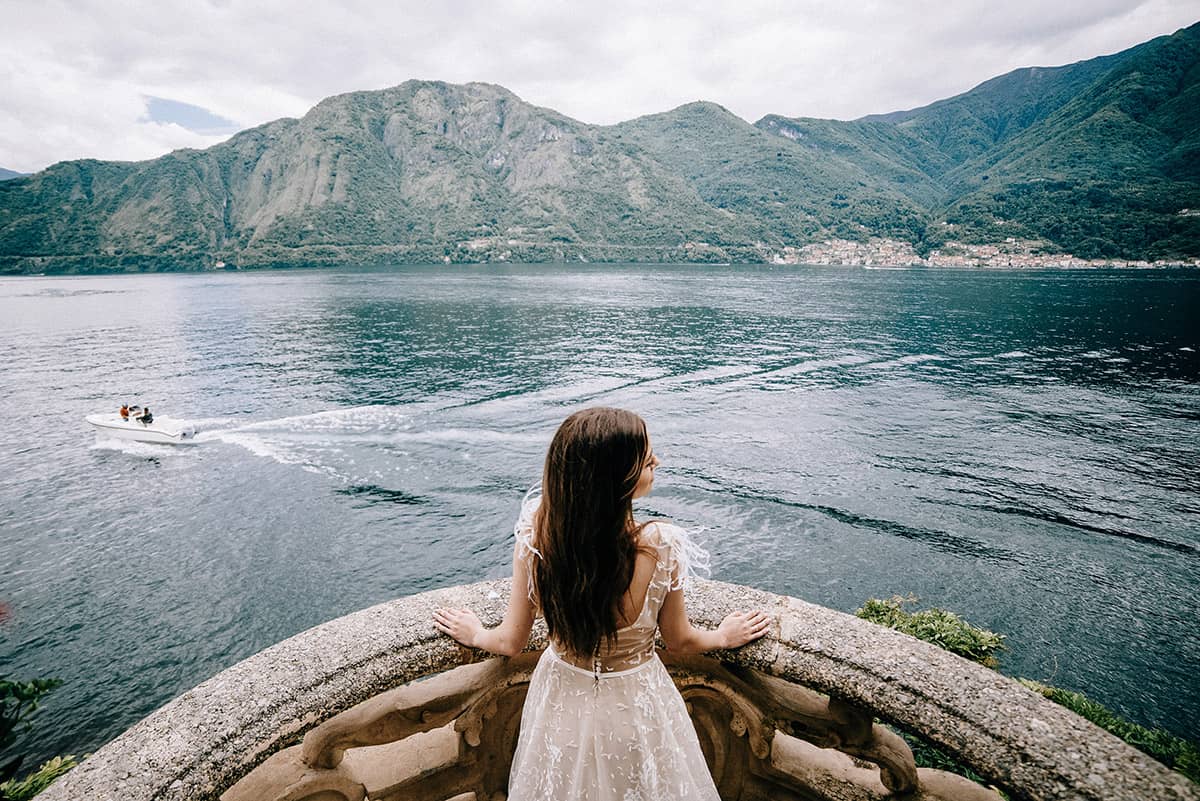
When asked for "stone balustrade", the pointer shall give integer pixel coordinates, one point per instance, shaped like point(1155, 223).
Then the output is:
point(377, 705)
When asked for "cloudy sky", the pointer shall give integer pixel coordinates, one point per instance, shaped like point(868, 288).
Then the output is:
point(133, 80)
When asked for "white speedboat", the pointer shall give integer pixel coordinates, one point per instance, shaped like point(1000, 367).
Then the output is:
point(165, 432)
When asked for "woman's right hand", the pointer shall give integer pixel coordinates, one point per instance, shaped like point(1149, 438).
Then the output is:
point(739, 628)
point(461, 624)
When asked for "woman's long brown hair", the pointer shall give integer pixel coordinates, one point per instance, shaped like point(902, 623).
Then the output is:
point(584, 526)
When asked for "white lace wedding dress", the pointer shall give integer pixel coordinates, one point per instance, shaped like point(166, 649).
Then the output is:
point(617, 730)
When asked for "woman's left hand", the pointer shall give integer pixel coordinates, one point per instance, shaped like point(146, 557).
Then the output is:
point(461, 624)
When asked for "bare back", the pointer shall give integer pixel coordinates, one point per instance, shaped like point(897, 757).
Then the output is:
point(657, 571)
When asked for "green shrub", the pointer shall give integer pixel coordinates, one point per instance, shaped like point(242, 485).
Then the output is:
point(18, 701)
point(1172, 751)
point(928, 755)
point(37, 781)
point(949, 631)
point(938, 626)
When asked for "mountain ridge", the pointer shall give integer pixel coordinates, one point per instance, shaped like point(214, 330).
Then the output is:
point(429, 171)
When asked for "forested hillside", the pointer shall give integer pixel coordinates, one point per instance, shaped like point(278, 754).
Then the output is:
point(1099, 158)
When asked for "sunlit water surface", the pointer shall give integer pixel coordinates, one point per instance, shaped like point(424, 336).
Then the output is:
point(1020, 447)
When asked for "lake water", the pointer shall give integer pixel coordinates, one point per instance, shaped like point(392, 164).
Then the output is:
point(1020, 447)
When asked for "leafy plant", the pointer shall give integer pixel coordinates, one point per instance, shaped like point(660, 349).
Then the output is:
point(949, 631)
point(938, 626)
point(1172, 751)
point(37, 781)
point(19, 700)
point(927, 755)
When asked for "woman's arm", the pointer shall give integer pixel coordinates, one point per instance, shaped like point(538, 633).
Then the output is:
point(512, 635)
point(681, 636)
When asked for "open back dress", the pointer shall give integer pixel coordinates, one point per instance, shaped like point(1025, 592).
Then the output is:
point(615, 728)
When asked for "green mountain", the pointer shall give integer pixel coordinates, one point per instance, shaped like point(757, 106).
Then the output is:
point(914, 149)
point(1099, 158)
point(1095, 158)
point(6, 174)
point(423, 171)
point(788, 193)
point(1115, 171)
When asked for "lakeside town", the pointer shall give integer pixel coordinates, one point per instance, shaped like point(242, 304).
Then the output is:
point(1016, 253)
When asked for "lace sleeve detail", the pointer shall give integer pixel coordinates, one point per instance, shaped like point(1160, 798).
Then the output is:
point(685, 557)
point(523, 531)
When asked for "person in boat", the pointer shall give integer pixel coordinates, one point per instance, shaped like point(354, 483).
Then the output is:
point(146, 418)
point(602, 719)
point(124, 411)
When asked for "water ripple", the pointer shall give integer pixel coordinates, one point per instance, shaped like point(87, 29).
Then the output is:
point(985, 440)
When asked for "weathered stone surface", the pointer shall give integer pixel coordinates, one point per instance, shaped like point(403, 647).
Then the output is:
point(203, 742)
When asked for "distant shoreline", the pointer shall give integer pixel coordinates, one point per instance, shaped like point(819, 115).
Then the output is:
point(1011, 254)
point(876, 252)
point(355, 266)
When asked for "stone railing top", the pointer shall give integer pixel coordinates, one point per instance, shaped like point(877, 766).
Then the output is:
point(206, 739)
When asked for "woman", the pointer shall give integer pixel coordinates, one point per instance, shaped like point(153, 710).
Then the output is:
point(603, 720)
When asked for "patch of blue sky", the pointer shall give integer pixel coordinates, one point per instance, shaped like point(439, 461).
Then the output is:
point(194, 118)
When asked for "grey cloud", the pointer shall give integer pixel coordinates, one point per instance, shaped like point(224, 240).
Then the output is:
point(90, 62)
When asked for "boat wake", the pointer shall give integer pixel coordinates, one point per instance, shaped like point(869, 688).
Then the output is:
point(378, 446)
point(140, 450)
